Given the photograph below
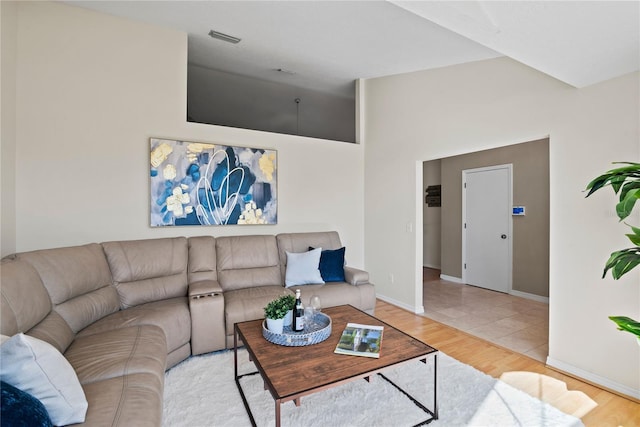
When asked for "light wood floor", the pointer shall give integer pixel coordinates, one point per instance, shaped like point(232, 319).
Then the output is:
point(612, 410)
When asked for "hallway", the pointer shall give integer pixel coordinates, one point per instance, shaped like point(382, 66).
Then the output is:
point(512, 322)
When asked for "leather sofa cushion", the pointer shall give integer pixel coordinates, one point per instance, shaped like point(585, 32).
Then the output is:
point(249, 278)
point(54, 330)
point(337, 293)
point(171, 316)
point(88, 308)
point(355, 276)
point(78, 281)
point(248, 304)
point(202, 259)
point(148, 270)
point(125, 351)
point(124, 401)
point(178, 355)
point(237, 252)
point(70, 272)
point(25, 301)
point(247, 261)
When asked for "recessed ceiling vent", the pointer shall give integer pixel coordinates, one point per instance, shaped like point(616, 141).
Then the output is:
point(224, 37)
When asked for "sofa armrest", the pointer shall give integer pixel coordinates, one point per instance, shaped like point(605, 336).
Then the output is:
point(204, 288)
point(355, 276)
point(206, 304)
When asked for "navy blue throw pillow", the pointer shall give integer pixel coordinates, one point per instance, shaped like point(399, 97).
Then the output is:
point(20, 409)
point(332, 264)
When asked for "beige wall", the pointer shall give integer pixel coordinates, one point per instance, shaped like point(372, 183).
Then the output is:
point(8, 38)
point(426, 115)
point(530, 232)
point(92, 89)
point(431, 218)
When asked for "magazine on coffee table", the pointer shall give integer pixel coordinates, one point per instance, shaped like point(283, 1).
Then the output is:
point(360, 340)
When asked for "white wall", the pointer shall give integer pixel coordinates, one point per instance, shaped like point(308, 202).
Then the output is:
point(8, 13)
point(92, 89)
point(432, 114)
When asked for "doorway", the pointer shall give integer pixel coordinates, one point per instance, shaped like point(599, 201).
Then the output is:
point(486, 227)
point(442, 235)
point(445, 296)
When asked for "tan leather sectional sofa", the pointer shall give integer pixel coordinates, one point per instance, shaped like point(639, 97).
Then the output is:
point(123, 312)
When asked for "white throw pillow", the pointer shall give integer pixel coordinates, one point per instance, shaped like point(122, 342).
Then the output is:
point(38, 368)
point(302, 268)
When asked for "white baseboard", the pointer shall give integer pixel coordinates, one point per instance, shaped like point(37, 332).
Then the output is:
point(416, 310)
point(435, 267)
point(451, 279)
point(529, 296)
point(596, 379)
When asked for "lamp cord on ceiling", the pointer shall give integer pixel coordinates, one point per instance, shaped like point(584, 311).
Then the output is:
point(297, 100)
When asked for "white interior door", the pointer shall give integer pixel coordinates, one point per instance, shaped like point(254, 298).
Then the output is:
point(487, 242)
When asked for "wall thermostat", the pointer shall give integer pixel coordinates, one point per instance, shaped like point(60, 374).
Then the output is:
point(518, 210)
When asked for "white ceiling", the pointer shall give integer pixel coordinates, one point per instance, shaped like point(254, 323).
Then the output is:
point(329, 44)
point(577, 42)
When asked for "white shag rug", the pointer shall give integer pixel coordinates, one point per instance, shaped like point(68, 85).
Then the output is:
point(201, 391)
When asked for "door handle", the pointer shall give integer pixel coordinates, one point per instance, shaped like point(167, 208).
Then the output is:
point(504, 236)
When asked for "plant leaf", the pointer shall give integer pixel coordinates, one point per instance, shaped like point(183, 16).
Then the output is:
point(624, 180)
point(615, 177)
point(627, 324)
point(621, 262)
point(630, 185)
point(617, 181)
point(635, 238)
point(595, 185)
point(624, 208)
point(624, 266)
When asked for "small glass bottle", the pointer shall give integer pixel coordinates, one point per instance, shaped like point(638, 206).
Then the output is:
point(298, 314)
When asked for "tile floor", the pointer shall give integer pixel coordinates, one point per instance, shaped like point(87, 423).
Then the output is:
point(516, 323)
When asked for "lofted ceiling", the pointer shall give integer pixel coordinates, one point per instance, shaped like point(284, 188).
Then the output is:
point(326, 45)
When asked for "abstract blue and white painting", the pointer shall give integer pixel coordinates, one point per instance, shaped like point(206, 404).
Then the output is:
point(196, 183)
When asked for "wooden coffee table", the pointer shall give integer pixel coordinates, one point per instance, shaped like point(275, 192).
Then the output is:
point(290, 373)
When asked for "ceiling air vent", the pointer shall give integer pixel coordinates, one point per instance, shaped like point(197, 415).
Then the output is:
point(224, 37)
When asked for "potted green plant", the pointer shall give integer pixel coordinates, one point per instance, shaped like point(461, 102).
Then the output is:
point(275, 312)
point(625, 182)
point(290, 300)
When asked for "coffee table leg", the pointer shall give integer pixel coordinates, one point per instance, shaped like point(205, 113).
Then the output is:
point(435, 386)
point(235, 352)
point(277, 413)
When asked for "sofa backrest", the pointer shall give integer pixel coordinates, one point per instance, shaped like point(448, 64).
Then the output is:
point(300, 242)
point(202, 259)
point(26, 307)
point(78, 281)
point(247, 261)
point(25, 301)
point(148, 270)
